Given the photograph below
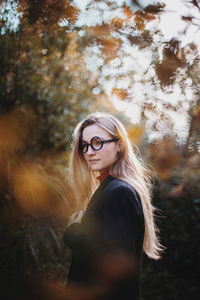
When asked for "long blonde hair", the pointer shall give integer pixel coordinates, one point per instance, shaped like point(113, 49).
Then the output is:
point(128, 167)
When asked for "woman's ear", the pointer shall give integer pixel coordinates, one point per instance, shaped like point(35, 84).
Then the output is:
point(118, 146)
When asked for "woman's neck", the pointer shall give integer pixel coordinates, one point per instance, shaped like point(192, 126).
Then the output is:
point(103, 175)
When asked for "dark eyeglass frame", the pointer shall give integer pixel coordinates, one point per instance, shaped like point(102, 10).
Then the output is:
point(90, 144)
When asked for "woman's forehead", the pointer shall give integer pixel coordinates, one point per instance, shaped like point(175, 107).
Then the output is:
point(94, 130)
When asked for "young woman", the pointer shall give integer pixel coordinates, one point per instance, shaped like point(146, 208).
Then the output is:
point(113, 187)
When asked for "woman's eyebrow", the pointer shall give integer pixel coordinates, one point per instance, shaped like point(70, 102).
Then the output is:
point(93, 137)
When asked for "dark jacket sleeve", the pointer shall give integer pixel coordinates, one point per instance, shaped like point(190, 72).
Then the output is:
point(79, 241)
point(122, 222)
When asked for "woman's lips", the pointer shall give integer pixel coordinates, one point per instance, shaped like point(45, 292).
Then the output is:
point(93, 160)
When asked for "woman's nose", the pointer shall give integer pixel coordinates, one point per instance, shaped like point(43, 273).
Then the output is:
point(90, 150)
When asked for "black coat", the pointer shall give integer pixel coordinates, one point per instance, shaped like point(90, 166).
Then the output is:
point(107, 245)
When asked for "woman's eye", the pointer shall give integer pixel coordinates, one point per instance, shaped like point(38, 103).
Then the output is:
point(83, 146)
point(96, 143)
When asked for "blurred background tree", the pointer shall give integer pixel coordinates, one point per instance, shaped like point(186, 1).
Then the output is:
point(60, 60)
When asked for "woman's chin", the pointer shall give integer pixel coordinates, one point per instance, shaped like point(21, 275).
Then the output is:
point(95, 169)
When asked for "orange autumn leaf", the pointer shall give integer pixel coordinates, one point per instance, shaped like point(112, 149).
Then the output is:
point(179, 55)
point(163, 174)
point(42, 189)
point(117, 23)
point(164, 157)
point(120, 93)
point(30, 189)
point(140, 22)
point(135, 133)
point(166, 70)
point(99, 30)
point(197, 113)
point(149, 17)
point(165, 153)
point(50, 11)
point(110, 46)
point(71, 12)
point(14, 128)
point(127, 11)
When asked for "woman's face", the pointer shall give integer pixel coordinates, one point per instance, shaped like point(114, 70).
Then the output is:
point(102, 159)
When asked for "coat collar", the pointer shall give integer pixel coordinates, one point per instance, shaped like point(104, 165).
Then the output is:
point(103, 176)
point(100, 189)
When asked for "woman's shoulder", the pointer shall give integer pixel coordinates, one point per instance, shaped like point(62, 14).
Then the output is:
point(120, 193)
point(117, 185)
point(120, 189)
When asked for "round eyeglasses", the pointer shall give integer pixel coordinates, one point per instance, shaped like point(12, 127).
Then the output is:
point(96, 144)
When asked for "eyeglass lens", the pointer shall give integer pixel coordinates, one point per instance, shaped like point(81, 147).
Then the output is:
point(96, 144)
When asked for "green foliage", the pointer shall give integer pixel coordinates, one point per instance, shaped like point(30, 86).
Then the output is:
point(31, 249)
point(176, 276)
point(42, 71)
